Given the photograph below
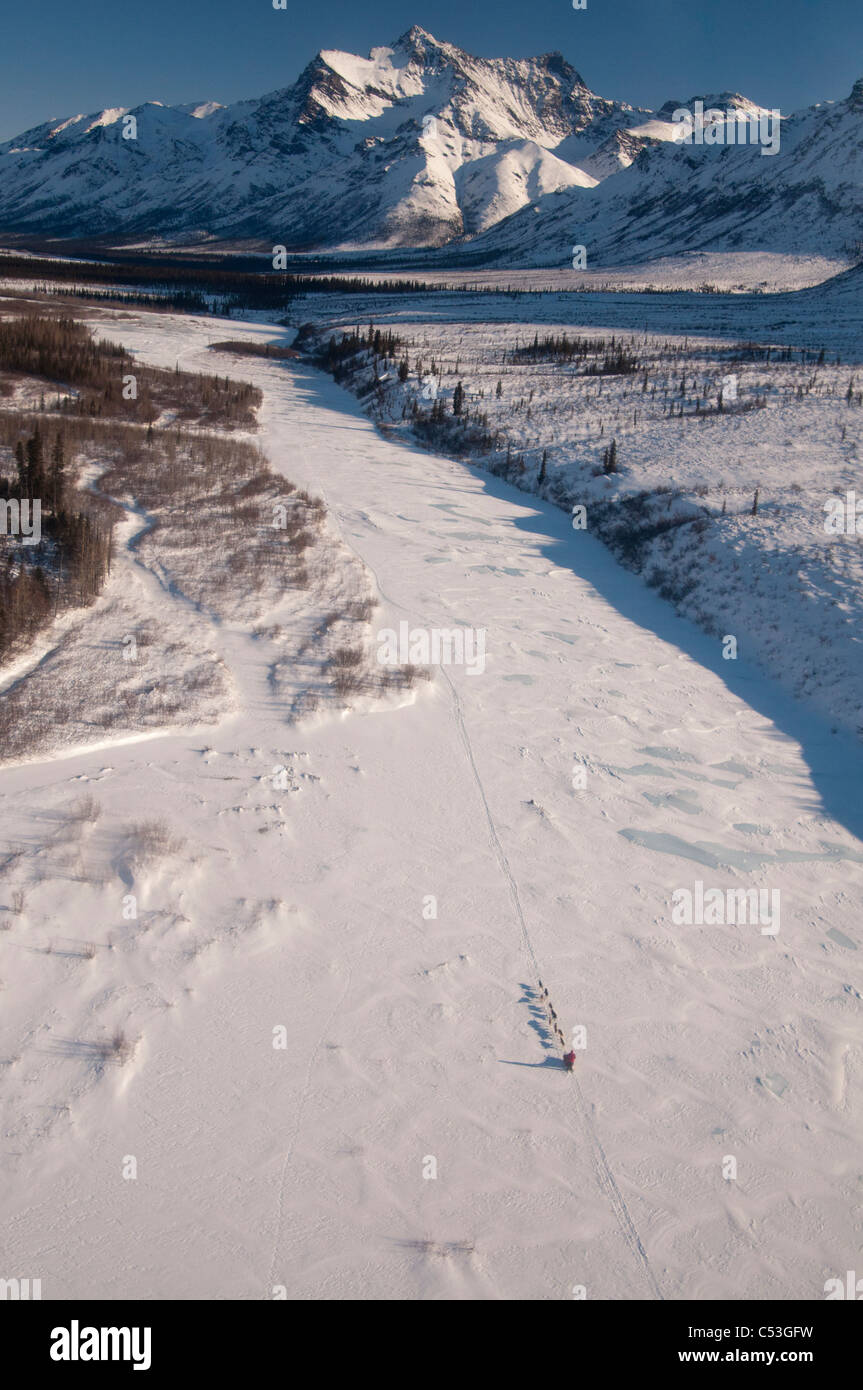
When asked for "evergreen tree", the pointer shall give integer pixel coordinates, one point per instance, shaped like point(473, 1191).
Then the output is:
point(56, 479)
point(35, 485)
point(21, 461)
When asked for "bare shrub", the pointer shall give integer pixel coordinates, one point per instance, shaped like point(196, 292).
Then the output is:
point(85, 809)
point(440, 1249)
point(346, 658)
point(300, 541)
point(307, 702)
point(361, 610)
point(19, 899)
point(404, 677)
point(345, 665)
point(147, 840)
point(120, 1048)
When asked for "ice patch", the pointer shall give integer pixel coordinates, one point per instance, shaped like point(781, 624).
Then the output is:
point(673, 755)
point(774, 1083)
point(841, 939)
point(681, 801)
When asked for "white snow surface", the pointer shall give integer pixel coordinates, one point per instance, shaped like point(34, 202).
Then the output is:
point(411, 1038)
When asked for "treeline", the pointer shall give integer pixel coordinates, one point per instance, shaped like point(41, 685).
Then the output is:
point(247, 289)
point(60, 350)
point(339, 353)
point(557, 347)
point(183, 301)
point(616, 360)
point(70, 558)
point(244, 348)
point(106, 381)
point(56, 541)
point(356, 358)
point(767, 353)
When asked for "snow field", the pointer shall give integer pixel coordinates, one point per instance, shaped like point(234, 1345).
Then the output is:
point(410, 1037)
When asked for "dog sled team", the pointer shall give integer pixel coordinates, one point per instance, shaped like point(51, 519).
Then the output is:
point(568, 1057)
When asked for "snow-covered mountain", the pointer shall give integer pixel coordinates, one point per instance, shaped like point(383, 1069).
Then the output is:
point(423, 145)
point(673, 198)
point(414, 145)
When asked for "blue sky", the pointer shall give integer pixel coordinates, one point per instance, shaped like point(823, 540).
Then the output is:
point(59, 57)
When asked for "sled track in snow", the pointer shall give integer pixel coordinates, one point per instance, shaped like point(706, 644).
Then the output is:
point(495, 838)
point(605, 1176)
point(289, 1152)
point(607, 1180)
point(616, 1199)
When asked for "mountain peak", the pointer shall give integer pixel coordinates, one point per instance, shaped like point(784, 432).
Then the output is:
point(419, 43)
point(416, 35)
point(561, 67)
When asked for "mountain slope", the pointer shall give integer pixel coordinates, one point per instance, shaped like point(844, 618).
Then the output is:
point(423, 145)
point(374, 150)
point(807, 199)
